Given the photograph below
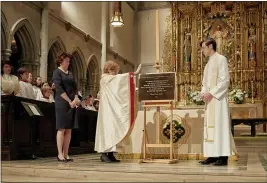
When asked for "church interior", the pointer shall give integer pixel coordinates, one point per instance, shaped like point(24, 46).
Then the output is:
point(164, 37)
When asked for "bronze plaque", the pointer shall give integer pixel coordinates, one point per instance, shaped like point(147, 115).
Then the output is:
point(158, 86)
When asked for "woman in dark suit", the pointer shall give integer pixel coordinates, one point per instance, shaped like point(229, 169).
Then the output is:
point(66, 100)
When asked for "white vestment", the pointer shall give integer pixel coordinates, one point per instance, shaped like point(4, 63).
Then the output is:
point(45, 100)
point(116, 110)
point(218, 140)
point(9, 85)
point(90, 108)
point(26, 90)
point(37, 93)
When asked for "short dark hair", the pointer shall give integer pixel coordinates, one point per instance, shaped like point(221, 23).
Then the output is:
point(88, 97)
point(95, 102)
point(209, 41)
point(3, 63)
point(21, 71)
point(62, 56)
point(34, 81)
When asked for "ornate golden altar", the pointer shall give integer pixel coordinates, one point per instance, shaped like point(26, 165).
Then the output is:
point(240, 30)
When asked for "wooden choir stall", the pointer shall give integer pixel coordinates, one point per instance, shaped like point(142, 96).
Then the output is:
point(29, 129)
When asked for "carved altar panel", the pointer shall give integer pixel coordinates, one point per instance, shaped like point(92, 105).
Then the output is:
point(240, 30)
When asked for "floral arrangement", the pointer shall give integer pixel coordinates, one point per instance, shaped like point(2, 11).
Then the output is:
point(195, 97)
point(238, 96)
point(178, 130)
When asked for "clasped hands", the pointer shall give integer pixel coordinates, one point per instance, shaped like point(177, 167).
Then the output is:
point(74, 103)
point(206, 97)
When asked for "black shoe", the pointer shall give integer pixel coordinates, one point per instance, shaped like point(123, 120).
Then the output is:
point(112, 157)
point(208, 161)
point(221, 162)
point(69, 159)
point(104, 158)
point(61, 160)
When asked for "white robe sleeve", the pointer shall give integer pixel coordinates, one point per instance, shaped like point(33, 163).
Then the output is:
point(39, 94)
point(204, 80)
point(22, 90)
point(222, 80)
point(31, 92)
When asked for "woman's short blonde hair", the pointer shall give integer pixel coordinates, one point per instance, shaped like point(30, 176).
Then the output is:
point(111, 65)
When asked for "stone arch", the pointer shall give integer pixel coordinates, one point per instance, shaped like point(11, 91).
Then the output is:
point(93, 76)
point(4, 31)
point(56, 47)
point(23, 33)
point(77, 67)
point(5, 50)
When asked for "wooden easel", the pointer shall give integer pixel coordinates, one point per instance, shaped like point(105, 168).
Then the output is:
point(158, 104)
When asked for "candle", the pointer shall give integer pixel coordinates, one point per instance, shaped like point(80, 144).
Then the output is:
point(157, 36)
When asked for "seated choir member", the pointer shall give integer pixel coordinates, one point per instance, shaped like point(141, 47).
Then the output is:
point(31, 81)
point(53, 91)
point(52, 86)
point(96, 104)
point(45, 84)
point(26, 89)
point(10, 82)
point(89, 103)
point(46, 92)
point(37, 87)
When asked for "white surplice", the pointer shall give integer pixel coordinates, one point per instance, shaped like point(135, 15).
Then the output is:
point(26, 90)
point(218, 140)
point(37, 93)
point(10, 84)
point(116, 111)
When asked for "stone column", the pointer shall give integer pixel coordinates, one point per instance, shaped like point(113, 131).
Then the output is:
point(83, 84)
point(35, 66)
point(26, 64)
point(104, 14)
point(5, 54)
point(44, 42)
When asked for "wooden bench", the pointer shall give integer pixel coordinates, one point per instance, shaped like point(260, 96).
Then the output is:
point(252, 122)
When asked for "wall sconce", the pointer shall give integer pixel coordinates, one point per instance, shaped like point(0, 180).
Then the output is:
point(116, 19)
